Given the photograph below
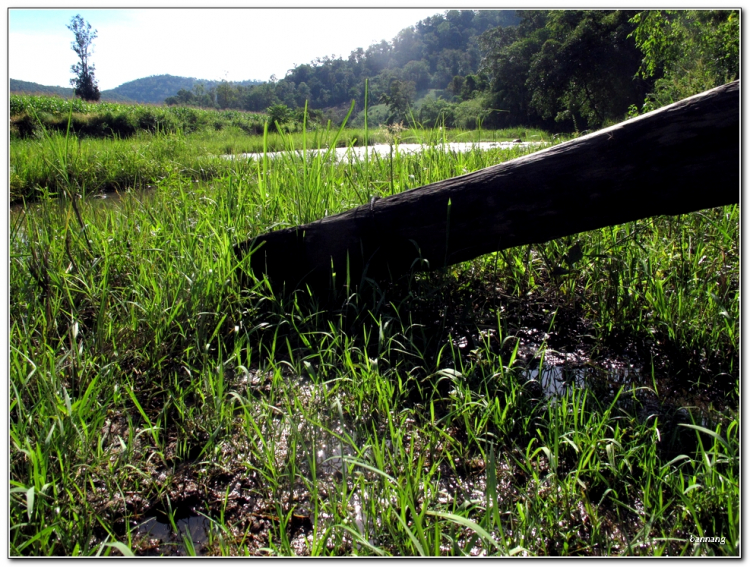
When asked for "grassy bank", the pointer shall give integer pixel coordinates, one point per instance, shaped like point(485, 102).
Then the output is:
point(58, 163)
point(502, 406)
point(62, 146)
point(32, 116)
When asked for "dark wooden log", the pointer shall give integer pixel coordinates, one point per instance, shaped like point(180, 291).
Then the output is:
point(674, 160)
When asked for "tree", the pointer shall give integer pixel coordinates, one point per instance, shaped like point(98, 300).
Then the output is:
point(507, 58)
point(400, 96)
point(417, 72)
point(183, 97)
point(226, 95)
point(687, 51)
point(437, 112)
point(260, 97)
point(278, 116)
point(584, 71)
point(563, 68)
point(84, 82)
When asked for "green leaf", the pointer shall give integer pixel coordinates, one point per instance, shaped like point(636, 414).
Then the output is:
point(121, 547)
point(361, 540)
point(476, 528)
point(411, 535)
point(707, 431)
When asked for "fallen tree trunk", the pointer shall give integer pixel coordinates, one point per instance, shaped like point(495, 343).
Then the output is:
point(677, 159)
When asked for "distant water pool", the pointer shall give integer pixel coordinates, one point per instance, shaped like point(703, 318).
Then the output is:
point(383, 150)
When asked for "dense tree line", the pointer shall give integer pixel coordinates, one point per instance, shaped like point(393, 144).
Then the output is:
point(572, 68)
point(556, 69)
point(424, 56)
point(580, 69)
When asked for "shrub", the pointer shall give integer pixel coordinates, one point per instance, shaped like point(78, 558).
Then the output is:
point(437, 112)
point(470, 114)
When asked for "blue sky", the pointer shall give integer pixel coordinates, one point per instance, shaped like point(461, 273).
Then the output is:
point(230, 43)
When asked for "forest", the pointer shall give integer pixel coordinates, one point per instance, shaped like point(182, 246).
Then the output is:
point(558, 70)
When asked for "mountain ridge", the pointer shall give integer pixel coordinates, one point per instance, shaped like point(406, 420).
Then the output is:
point(152, 89)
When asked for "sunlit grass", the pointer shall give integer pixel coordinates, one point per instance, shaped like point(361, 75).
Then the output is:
point(144, 381)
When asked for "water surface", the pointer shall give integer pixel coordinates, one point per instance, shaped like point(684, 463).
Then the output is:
point(386, 150)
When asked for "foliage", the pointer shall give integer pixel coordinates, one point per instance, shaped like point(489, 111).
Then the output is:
point(584, 70)
point(155, 89)
point(470, 114)
point(507, 57)
point(690, 51)
point(581, 69)
point(20, 104)
point(198, 96)
point(84, 81)
point(28, 87)
point(435, 112)
point(278, 116)
point(426, 55)
point(398, 99)
point(570, 66)
point(30, 113)
point(468, 87)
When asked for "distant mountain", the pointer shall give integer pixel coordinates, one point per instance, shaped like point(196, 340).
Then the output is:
point(28, 87)
point(152, 89)
point(156, 88)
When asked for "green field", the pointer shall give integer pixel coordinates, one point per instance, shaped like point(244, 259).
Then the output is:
point(531, 402)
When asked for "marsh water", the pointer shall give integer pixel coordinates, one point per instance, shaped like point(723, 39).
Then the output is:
point(386, 150)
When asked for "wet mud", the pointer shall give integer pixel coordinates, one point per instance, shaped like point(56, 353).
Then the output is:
point(556, 352)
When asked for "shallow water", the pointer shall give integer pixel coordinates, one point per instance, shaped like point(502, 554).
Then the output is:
point(557, 380)
point(385, 150)
point(165, 542)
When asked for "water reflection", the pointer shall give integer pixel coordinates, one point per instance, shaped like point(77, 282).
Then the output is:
point(191, 528)
point(556, 380)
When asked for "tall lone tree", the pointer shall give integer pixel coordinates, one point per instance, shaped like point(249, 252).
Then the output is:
point(84, 81)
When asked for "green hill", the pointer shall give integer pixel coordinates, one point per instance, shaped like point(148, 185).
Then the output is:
point(156, 88)
point(28, 87)
point(152, 89)
point(435, 53)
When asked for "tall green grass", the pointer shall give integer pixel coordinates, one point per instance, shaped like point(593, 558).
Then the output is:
point(145, 382)
point(90, 165)
point(105, 147)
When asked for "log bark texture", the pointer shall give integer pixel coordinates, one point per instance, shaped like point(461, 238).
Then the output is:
point(674, 160)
